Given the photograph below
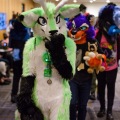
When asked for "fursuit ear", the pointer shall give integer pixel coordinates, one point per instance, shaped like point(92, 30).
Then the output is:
point(29, 18)
point(82, 7)
point(70, 10)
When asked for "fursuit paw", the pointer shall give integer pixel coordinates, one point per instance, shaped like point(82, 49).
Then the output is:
point(58, 40)
point(32, 113)
point(65, 70)
point(56, 43)
point(27, 108)
point(49, 45)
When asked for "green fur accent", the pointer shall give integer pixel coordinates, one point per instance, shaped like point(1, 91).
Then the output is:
point(50, 15)
point(63, 113)
point(52, 24)
point(71, 55)
point(29, 47)
point(71, 47)
point(17, 115)
point(51, 8)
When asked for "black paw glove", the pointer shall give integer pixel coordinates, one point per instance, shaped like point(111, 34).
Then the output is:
point(56, 43)
point(25, 104)
point(32, 113)
point(56, 49)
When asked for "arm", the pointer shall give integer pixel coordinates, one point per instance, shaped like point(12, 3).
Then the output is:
point(71, 53)
point(56, 49)
point(25, 103)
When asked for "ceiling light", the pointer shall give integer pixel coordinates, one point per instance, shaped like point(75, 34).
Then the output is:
point(56, 0)
point(91, 1)
point(74, 1)
point(107, 1)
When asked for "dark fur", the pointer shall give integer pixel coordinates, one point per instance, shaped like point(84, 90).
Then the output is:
point(105, 20)
point(82, 7)
point(107, 13)
point(25, 104)
point(59, 59)
point(20, 18)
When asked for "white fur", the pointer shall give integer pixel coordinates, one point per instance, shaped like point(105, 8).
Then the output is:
point(71, 12)
point(86, 58)
point(91, 54)
point(60, 5)
point(42, 3)
point(49, 96)
point(30, 18)
point(45, 33)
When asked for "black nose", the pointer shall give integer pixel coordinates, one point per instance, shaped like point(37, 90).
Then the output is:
point(52, 32)
point(74, 31)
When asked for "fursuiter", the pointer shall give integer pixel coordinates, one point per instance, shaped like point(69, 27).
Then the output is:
point(48, 63)
point(81, 30)
point(109, 29)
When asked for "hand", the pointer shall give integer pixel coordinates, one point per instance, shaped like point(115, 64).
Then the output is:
point(27, 108)
point(56, 43)
point(65, 70)
point(32, 113)
point(58, 40)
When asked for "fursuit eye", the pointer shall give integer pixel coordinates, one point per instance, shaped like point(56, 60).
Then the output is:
point(42, 21)
point(83, 28)
point(58, 19)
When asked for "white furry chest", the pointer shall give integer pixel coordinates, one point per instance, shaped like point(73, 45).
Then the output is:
point(43, 89)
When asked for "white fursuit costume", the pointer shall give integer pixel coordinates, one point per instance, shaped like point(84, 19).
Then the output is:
point(48, 63)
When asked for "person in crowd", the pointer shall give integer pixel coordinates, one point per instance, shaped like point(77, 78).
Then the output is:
point(4, 44)
point(11, 21)
point(81, 30)
point(108, 37)
point(93, 88)
point(6, 61)
point(18, 35)
point(3, 70)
